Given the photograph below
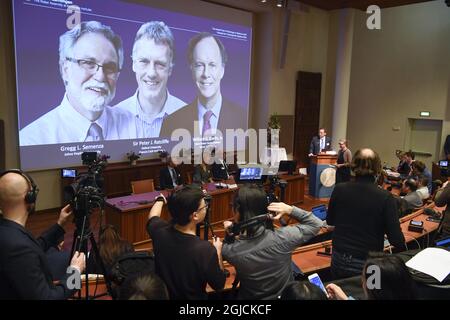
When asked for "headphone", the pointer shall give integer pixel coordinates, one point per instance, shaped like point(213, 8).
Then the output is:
point(33, 191)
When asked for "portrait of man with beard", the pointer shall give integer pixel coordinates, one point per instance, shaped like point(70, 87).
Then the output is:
point(90, 60)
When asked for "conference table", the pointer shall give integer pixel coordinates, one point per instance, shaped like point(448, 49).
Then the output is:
point(129, 214)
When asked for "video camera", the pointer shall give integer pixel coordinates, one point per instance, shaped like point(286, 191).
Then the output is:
point(86, 192)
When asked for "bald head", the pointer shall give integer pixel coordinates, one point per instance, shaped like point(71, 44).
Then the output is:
point(13, 188)
point(366, 163)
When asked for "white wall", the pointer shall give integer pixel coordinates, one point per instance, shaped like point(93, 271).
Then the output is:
point(397, 72)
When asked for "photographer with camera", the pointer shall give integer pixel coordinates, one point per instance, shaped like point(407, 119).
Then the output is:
point(260, 254)
point(184, 261)
point(24, 268)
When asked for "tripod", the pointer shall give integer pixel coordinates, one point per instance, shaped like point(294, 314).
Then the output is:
point(81, 236)
point(206, 223)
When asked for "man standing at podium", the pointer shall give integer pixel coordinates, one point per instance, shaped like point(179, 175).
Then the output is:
point(319, 143)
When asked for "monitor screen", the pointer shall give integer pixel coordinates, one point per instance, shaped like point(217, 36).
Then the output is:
point(443, 163)
point(68, 173)
point(287, 166)
point(320, 212)
point(64, 109)
point(250, 173)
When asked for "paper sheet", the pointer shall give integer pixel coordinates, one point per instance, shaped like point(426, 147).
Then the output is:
point(432, 261)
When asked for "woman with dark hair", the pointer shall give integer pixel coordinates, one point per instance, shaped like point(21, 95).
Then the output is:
point(111, 247)
point(143, 286)
point(202, 171)
point(260, 254)
point(384, 277)
point(303, 291)
point(343, 162)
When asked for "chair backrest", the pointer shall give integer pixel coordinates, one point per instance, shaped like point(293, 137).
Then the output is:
point(188, 177)
point(142, 186)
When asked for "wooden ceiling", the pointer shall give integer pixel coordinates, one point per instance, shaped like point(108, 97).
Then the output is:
point(358, 4)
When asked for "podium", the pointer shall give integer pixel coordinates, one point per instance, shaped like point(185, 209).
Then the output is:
point(322, 175)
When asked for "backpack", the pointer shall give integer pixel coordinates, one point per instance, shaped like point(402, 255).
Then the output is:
point(130, 264)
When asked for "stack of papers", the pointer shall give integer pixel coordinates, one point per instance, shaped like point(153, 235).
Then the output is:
point(434, 262)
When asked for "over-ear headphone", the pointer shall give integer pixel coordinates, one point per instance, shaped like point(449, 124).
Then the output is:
point(33, 191)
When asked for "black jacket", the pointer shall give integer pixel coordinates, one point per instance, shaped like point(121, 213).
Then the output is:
point(165, 179)
point(443, 198)
point(24, 268)
point(314, 146)
point(220, 171)
point(201, 175)
point(447, 146)
point(362, 214)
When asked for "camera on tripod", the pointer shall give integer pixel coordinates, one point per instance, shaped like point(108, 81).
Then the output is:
point(275, 181)
point(86, 192)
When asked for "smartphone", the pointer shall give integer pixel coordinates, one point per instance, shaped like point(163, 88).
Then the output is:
point(433, 219)
point(315, 279)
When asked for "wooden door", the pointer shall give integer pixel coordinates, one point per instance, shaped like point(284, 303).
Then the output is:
point(307, 114)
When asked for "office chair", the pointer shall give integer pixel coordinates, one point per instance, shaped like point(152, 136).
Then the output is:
point(142, 186)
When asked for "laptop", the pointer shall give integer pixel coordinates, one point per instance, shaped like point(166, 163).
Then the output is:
point(320, 212)
point(445, 243)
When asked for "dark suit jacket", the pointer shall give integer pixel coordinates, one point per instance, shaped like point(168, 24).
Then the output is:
point(314, 147)
point(231, 116)
point(447, 146)
point(220, 171)
point(24, 268)
point(201, 175)
point(165, 179)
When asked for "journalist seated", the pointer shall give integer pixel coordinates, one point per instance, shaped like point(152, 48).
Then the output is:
point(412, 198)
point(394, 281)
point(110, 247)
point(143, 286)
point(260, 253)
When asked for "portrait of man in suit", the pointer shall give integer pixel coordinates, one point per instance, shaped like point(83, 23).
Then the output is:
point(170, 176)
point(90, 61)
point(320, 143)
point(210, 110)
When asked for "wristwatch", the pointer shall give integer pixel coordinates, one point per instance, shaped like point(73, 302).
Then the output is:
point(160, 198)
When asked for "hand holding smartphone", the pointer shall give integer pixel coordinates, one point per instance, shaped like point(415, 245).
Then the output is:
point(315, 279)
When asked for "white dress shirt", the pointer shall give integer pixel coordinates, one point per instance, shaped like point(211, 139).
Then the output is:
point(322, 143)
point(64, 124)
point(214, 120)
point(146, 126)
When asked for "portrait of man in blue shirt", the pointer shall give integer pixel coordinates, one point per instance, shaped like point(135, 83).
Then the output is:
point(153, 53)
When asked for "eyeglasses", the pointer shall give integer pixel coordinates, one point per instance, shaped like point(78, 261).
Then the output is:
point(204, 207)
point(110, 69)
